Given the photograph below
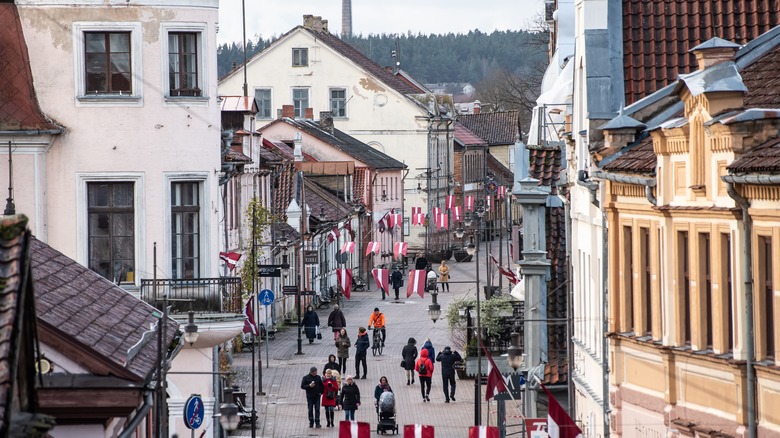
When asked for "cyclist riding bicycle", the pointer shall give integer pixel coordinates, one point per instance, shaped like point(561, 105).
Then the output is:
point(378, 321)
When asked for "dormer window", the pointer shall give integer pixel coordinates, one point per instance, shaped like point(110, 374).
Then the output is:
point(300, 57)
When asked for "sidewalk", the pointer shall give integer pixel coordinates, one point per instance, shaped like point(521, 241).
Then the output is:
point(282, 411)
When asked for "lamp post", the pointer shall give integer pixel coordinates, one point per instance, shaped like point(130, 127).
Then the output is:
point(228, 412)
point(358, 207)
point(473, 250)
point(434, 309)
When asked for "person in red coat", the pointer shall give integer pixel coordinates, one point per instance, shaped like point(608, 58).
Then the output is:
point(329, 396)
point(424, 368)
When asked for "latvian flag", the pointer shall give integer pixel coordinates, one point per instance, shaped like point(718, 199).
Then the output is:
point(505, 271)
point(415, 212)
point(348, 247)
point(353, 429)
point(345, 281)
point(333, 235)
point(418, 431)
point(381, 277)
point(468, 204)
point(416, 283)
point(399, 248)
point(231, 258)
point(397, 220)
point(249, 317)
point(373, 247)
point(501, 192)
point(436, 212)
point(483, 432)
point(456, 214)
point(559, 423)
point(495, 381)
point(450, 202)
point(390, 220)
point(442, 222)
point(418, 219)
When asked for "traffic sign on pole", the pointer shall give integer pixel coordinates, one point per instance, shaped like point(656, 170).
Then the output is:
point(193, 412)
point(266, 297)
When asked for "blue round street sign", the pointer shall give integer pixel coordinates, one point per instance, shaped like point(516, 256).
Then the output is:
point(194, 412)
point(266, 297)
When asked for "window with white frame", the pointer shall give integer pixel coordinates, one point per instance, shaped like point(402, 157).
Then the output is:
point(300, 97)
point(263, 99)
point(111, 230)
point(300, 57)
point(184, 60)
point(338, 102)
point(185, 229)
point(107, 61)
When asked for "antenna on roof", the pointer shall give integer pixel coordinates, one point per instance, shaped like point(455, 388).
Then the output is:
point(396, 54)
point(10, 208)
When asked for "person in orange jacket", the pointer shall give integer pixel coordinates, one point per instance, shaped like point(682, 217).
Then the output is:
point(378, 321)
point(424, 368)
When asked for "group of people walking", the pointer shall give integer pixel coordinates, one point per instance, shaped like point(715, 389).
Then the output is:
point(424, 367)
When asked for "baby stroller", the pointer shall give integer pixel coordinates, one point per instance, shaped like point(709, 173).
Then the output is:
point(386, 407)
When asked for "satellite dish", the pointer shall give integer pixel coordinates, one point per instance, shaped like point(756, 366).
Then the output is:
point(342, 257)
point(43, 366)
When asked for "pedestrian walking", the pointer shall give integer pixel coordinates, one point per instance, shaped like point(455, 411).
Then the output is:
point(336, 321)
point(350, 399)
point(312, 384)
point(448, 359)
point(383, 386)
point(310, 323)
point(329, 396)
point(409, 355)
point(424, 368)
point(397, 280)
point(444, 276)
point(428, 345)
point(362, 345)
point(331, 364)
point(342, 345)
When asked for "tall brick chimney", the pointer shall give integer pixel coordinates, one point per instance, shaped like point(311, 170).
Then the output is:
point(477, 107)
point(288, 111)
point(326, 121)
point(308, 113)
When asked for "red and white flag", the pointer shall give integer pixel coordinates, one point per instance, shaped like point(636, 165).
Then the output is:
point(495, 381)
point(442, 222)
point(418, 219)
point(501, 192)
point(348, 247)
point(353, 429)
point(333, 235)
point(468, 203)
point(345, 281)
point(390, 220)
point(489, 202)
point(396, 219)
point(416, 283)
point(373, 247)
point(450, 202)
point(506, 272)
point(418, 431)
point(399, 248)
point(436, 211)
point(249, 316)
point(348, 227)
point(416, 210)
point(559, 423)
point(231, 258)
point(381, 277)
point(483, 432)
point(456, 213)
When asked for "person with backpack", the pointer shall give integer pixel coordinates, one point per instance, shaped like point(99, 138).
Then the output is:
point(409, 355)
point(448, 358)
point(329, 396)
point(424, 368)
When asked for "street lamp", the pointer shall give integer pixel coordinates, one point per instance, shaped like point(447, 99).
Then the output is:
point(514, 356)
point(434, 309)
point(191, 329)
point(283, 244)
point(228, 412)
point(473, 250)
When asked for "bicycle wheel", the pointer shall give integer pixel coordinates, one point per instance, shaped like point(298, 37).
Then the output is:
point(380, 347)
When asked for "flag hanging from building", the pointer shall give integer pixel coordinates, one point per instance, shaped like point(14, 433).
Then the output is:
point(416, 283)
point(416, 210)
point(468, 204)
point(381, 277)
point(489, 199)
point(418, 431)
point(495, 381)
point(348, 247)
point(501, 192)
point(450, 202)
point(249, 317)
point(373, 247)
point(436, 211)
point(333, 235)
point(442, 222)
point(354, 429)
point(506, 272)
point(456, 213)
point(559, 423)
point(345, 281)
point(483, 432)
point(418, 219)
point(399, 248)
point(348, 227)
point(231, 258)
point(390, 220)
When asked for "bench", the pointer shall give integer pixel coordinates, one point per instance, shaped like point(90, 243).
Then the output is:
point(358, 284)
point(269, 334)
point(244, 416)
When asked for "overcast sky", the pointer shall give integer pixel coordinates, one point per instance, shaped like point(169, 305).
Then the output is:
point(275, 17)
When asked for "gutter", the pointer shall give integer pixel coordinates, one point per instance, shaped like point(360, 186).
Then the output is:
point(593, 186)
point(34, 132)
point(649, 183)
point(140, 415)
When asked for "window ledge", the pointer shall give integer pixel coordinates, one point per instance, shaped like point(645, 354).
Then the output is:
point(187, 99)
point(109, 98)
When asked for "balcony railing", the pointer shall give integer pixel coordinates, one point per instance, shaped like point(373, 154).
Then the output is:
point(200, 295)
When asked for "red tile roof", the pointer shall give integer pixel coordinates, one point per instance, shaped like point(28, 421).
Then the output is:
point(658, 34)
point(498, 128)
point(762, 81)
point(764, 158)
point(19, 109)
point(639, 159)
point(466, 137)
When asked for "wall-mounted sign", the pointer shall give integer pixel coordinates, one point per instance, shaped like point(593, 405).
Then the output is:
point(310, 257)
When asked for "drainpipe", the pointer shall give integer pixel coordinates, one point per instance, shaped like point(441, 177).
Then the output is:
point(569, 307)
point(140, 415)
point(582, 179)
point(649, 183)
point(593, 186)
point(744, 204)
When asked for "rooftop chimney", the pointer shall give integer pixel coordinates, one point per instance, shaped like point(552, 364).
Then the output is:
point(477, 107)
point(308, 113)
point(714, 51)
point(346, 18)
point(315, 23)
point(326, 121)
point(288, 111)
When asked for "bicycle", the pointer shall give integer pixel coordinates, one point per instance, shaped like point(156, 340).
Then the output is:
point(378, 343)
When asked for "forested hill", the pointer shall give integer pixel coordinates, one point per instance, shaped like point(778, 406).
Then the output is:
point(430, 58)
